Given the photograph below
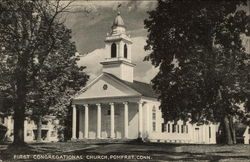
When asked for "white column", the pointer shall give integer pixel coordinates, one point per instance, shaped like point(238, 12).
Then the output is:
point(98, 121)
point(80, 123)
point(73, 122)
point(140, 118)
point(125, 119)
point(112, 119)
point(86, 126)
point(148, 118)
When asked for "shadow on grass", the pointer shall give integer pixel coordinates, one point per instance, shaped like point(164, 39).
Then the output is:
point(16, 150)
point(168, 155)
point(169, 152)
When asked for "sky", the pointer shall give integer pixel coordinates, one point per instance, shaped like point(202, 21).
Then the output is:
point(90, 21)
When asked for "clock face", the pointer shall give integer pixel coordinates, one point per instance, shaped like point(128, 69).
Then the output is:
point(105, 87)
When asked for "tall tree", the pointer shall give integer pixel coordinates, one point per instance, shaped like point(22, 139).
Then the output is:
point(204, 71)
point(29, 36)
point(57, 80)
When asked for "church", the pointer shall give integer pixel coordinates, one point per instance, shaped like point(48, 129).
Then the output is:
point(115, 106)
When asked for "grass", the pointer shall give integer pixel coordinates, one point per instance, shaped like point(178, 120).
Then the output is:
point(140, 151)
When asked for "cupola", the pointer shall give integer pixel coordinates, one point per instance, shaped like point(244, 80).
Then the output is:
point(118, 57)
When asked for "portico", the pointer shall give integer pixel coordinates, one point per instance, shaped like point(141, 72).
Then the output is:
point(107, 119)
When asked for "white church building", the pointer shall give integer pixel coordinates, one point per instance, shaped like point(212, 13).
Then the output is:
point(116, 106)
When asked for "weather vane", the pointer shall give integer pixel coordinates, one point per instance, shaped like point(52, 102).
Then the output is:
point(118, 7)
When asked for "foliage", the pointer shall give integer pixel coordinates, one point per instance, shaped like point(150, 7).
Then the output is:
point(204, 71)
point(39, 70)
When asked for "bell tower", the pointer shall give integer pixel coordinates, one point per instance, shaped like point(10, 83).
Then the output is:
point(118, 57)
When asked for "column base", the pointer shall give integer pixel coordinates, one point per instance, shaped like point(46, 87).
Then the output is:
point(73, 139)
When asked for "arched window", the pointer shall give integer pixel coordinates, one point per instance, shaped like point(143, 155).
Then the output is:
point(125, 51)
point(154, 119)
point(113, 50)
point(154, 114)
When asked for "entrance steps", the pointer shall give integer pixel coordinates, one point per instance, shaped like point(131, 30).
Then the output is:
point(102, 140)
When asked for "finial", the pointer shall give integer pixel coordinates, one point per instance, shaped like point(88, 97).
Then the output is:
point(118, 9)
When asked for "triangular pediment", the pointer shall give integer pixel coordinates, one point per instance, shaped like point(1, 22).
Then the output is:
point(106, 86)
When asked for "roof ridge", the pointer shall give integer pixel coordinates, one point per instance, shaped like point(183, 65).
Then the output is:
point(142, 82)
point(141, 87)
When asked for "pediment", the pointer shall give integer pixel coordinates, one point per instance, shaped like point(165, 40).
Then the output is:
point(105, 87)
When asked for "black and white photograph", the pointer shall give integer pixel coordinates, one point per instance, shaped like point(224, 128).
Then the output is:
point(125, 80)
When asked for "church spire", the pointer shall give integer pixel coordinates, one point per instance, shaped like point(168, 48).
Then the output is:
point(118, 57)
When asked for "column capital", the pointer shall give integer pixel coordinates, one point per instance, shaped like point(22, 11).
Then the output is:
point(73, 106)
point(125, 102)
point(98, 104)
point(85, 105)
point(111, 103)
point(140, 102)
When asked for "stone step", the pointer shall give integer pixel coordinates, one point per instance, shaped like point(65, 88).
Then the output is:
point(102, 140)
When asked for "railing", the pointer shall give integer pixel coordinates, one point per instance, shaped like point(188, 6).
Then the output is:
point(170, 137)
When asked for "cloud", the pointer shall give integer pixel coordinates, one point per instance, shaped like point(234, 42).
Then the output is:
point(143, 71)
point(91, 20)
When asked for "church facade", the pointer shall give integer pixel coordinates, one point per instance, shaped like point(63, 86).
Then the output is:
point(116, 106)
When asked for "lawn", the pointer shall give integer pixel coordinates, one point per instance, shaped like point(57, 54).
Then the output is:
point(129, 151)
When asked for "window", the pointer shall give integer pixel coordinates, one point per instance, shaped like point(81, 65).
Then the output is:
point(164, 127)
point(209, 130)
point(154, 118)
point(154, 126)
point(168, 128)
point(178, 129)
point(113, 50)
point(182, 128)
point(186, 128)
point(173, 128)
point(154, 114)
point(248, 130)
point(45, 122)
point(125, 51)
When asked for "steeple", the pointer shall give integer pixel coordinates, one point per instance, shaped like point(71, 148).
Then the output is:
point(118, 57)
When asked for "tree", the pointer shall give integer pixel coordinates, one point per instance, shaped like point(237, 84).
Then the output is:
point(29, 40)
point(58, 79)
point(204, 71)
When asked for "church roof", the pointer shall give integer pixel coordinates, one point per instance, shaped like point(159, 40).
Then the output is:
point(144, 89)
point(118, 20)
